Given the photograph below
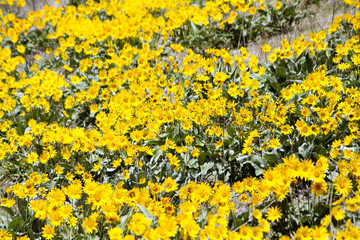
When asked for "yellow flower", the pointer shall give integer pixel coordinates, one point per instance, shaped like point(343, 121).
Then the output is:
point(174, 160)
point(343, 66)
point(72, 221)
point(191, 227)
point(20, 4)
point(220, 78)
point(56, 197)
point(352, 204)
point(338, 213)
point(177, 47)
point(4, 234)
point(90, 224)
point(306, 169)
point(347, 140)
point(170, 184)
point(115, 233)
point(126, 174)
point(79, 169)
point(334, 152)
point(343, 185)
point(303, 233)
point(139, 223)
point(305, 130)
point(155, 188)
point(246, 232)
point(336, 143)
point(348, 153)
point(48, 232)
point(23, 238)
point(96, 167)
point(266, 48)
point(195, 152)
point(286, 129)
point(65, 114)
point(252, 10)
point(20, 48)
point(275, 143)
point(7, 202)
point(74, 191)
point(59, 169)
point(264, 225)
point(219, 143)
point(189, 139)
point(305, 112)
point(320, 233)
point(32, 158)
point(68, 68)
point(273, 214)
point(318, 188)
point(256, 213)
point(326, 221)
point(272, 57)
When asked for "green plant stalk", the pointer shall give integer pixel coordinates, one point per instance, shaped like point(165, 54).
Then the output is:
point(330, 203)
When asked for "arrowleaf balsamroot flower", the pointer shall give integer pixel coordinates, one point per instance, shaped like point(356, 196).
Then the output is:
point(220, 78)
point(320, 233)
point(273, 213)
point(48, 232)
point(338, 213)
point(266, 48)
point(343, 185)
point(115, 233)
point(275, 143)
point(90, 224)
point(319, 188)
point(303, 233)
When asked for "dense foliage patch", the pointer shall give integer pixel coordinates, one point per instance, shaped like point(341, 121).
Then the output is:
point(136, 120)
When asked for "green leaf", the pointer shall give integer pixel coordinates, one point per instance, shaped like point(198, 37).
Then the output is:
point(80, 237)
point(16, 224)
point(156, 156)
point(205, 168)
point(192, 163)
point(231, 130)
point(8, 210)
point(258, 170)
point(203, 157)
point(153, 142)
point(306, 218)
point(272, 158)
point(194, 30)
point(22, 207)
point(281, 72)
point(123, 222)
point(321, 150)
point(146, 212)
point(260, 161)
point(309, 64)
point(305, 150)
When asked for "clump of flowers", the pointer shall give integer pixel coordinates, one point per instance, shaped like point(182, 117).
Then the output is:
point(111, 127)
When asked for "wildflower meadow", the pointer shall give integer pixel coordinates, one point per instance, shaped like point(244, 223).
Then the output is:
point(137, 119)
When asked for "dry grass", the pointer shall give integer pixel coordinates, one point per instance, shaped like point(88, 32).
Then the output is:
point(323, 15)
point(31, 5)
